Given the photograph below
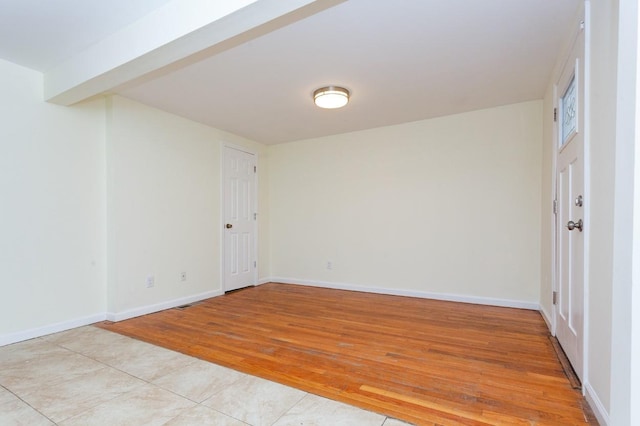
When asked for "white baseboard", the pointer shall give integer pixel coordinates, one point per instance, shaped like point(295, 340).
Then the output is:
point(412, 293)
point(596, 405)
point(20, 336)
point(547, 318)
point(149, 309)
point(144, 310)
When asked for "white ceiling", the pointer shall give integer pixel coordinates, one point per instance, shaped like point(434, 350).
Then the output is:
point(403, 60)
point(39, 34)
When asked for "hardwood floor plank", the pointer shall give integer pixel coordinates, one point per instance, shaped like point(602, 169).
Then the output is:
point(423, 361)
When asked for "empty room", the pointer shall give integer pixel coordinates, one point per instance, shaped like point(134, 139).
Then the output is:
point(319, 212)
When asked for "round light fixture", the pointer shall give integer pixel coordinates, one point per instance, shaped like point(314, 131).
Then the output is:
point(331, 97)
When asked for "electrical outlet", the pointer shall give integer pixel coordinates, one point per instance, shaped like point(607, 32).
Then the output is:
point(151, 281)
point(183, 276)
point(329, 264)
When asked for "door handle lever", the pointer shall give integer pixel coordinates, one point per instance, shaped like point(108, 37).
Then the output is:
point(571, 225)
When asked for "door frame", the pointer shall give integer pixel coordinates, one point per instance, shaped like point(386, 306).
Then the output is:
point(222, 223)
point(582, 23)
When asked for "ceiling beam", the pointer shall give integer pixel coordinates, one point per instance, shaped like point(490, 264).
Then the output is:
point(175, 35)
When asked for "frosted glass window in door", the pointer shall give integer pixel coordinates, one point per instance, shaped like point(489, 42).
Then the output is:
point(569, 112)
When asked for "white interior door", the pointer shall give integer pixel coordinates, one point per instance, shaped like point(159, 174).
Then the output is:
point(239, 219)
point(570, 181)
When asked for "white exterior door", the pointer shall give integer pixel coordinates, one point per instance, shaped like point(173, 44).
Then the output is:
point(570, 181)
point(239, 219)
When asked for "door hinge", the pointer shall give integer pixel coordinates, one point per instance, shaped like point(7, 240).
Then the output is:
point(255, 216)
point(555, 114)
point(555, 206)
point(255, 169)
point(555, 297)
point(255, 264)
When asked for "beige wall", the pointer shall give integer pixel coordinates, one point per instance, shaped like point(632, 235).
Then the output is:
point(97, 197)
point(164, 206)
point(447, 206)
point(52, 208)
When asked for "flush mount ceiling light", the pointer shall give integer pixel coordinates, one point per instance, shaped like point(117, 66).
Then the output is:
point(331, 97)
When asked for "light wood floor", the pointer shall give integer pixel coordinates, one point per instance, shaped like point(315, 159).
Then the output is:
point(424, 361)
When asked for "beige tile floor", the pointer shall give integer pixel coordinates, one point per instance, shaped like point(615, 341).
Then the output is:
point(89, 376)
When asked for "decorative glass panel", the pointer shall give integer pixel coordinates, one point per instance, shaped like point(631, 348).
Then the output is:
point(568, 111)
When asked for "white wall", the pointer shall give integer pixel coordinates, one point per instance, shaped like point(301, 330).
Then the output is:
point(448, 206)
point(604, 29)
point(163, 207)
point(52, 209)
point(625, 327)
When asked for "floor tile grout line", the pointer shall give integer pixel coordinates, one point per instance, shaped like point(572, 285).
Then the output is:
point(169, 390)
point(122, 371)
point(145, 380)
point(290, 408)
point(212, 363)
point(26, 403)
point(105, 365)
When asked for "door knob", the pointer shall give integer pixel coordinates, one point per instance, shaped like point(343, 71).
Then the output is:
point(228, 226)
point(571, 225)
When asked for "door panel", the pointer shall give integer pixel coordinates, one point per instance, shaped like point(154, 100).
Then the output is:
point(570, 298)
point(239, 219)
point(570, 224)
